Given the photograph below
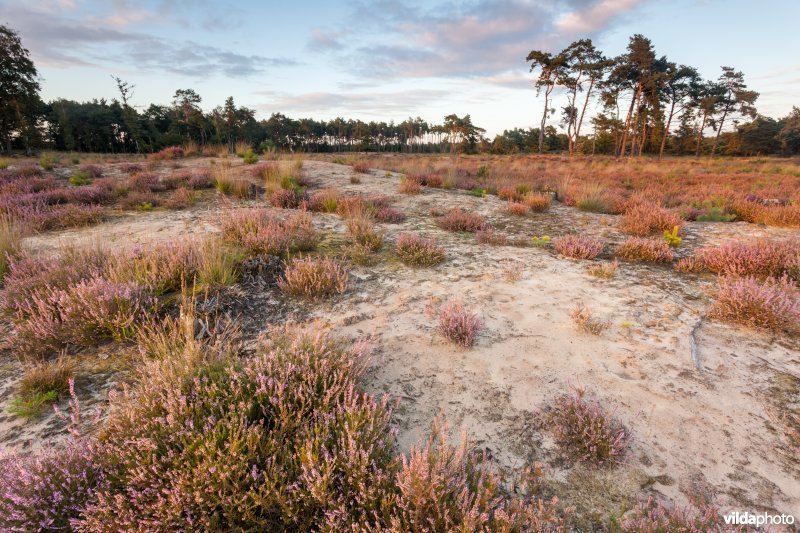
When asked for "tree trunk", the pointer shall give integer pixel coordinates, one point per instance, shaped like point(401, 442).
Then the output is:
point(666, 131)
point(544, 118)
point(700, 133)
point(627, 127)
point(583, 111)
point(719, 130)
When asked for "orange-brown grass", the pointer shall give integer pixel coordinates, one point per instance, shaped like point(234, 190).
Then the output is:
point(758, 190)
point(410, 185)
point(517, 209)
point(645, 219)
point(537, 202)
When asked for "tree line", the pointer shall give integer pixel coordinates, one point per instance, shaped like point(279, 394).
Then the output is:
point(646, 105)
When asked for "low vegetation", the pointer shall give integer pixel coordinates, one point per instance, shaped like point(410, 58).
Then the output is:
point(638, 249)
point(457, 324)
point(460, 220)
point(312, 277)
point(415, 250)
point(771, 304)
point(578, 246)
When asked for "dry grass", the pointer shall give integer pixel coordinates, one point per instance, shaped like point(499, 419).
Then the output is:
point(10, 242)
point(418, 251)
point(409, 185)
point(604, 270)
point(517, 209)
point(586, 322)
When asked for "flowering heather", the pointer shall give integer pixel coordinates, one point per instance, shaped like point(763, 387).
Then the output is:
point(389, 215)
point(510, 194)
point(586, 431)
point(10, 242)
point(490, 236)
point(760, 258)
point(645, 219)
point(93, 171)
point(652, 516)
point(313, 278)
point(169, 153)
point(578, 246)
point(772, 304)
point(182, 198)
point(284, 199)
point(434, 181)
point(787, 215)
point(638, 249)
point(457, 324)
point(130, 168)
point(409, 185)
point(49, 490)
point(460, 220)
point(161, 268)
point(517, 209)
point(537, 202)
point(418, 251)
point(260, 232)
point(145, 182)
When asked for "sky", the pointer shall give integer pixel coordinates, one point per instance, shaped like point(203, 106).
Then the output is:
point(386, 60)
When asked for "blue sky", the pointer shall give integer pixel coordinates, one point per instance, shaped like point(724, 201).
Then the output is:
point(385, 60)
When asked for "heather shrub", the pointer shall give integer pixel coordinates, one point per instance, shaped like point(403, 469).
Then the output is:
point(141, 201)
point(645, 219)
point(288, 441)
point(169, 153)
point(145, 182)
point(537, 202)
point(181, 199)
point(490, 236)
point(361, 166)
point(585, 321)
point(760, 258)
point(389, 215)
point(258, 231)
point(578, 246)
point(355, 179)
point(130, 168)
point(415, 250)
point(93, 171)
point(509, 194)
point(409, 185)
point(10, 242)
point(604, 270)
point(772, 304)
point(434, 181)
point(585, 430)
point(48, 490)
point(313, 278)
point(652, 516)
point(442, 487)
point(200, 180)
point(517, 209)
point(644, 250)
point(457, 324)
point(285, 199)
point(460, 220)
point(162, 268)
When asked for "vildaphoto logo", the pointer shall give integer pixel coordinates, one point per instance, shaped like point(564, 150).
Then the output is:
point(755, 519)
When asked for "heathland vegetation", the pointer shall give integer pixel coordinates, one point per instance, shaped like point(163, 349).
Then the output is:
point(204, 332)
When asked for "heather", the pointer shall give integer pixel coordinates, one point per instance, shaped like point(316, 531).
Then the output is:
point(771, 304)
point(638, 249)
point(578, 246)
point(416, 250)
point(457, 324)
point(312, 277)
point(761, 258)
point(460, 220)
point(259, 231)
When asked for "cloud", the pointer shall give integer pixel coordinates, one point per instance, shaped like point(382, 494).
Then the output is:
point(324, 40)
point(364, 103)
point(484, 38)
point(103, 40)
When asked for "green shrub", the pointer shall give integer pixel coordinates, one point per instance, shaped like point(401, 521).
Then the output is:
point(80, 177)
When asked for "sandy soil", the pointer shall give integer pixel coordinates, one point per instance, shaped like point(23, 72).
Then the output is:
point(694, 428)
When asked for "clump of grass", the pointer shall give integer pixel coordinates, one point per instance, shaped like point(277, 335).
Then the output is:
point(362, 230)
point(4, 163)
point(478, 192)
point(80, 177)
point(586, 322)
point(510, 194)
point(415, 250)
point(285, 199)
point(355, 180)
point(181, 199)
point(643, 219)
point(537, 202)
point(460, 220)
point(42, 385)
point(457, 324)
point(578, 246)
point(409, 185)
point(592, 197)
point(313, 278)
point(771, 304)
point(604, 270)
point(250, 157)
point(540, 242)
point(324, 201)
point(637, 249)
point(47, 162)
point(389, 215)
point(216, 264)
point(586, 431)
